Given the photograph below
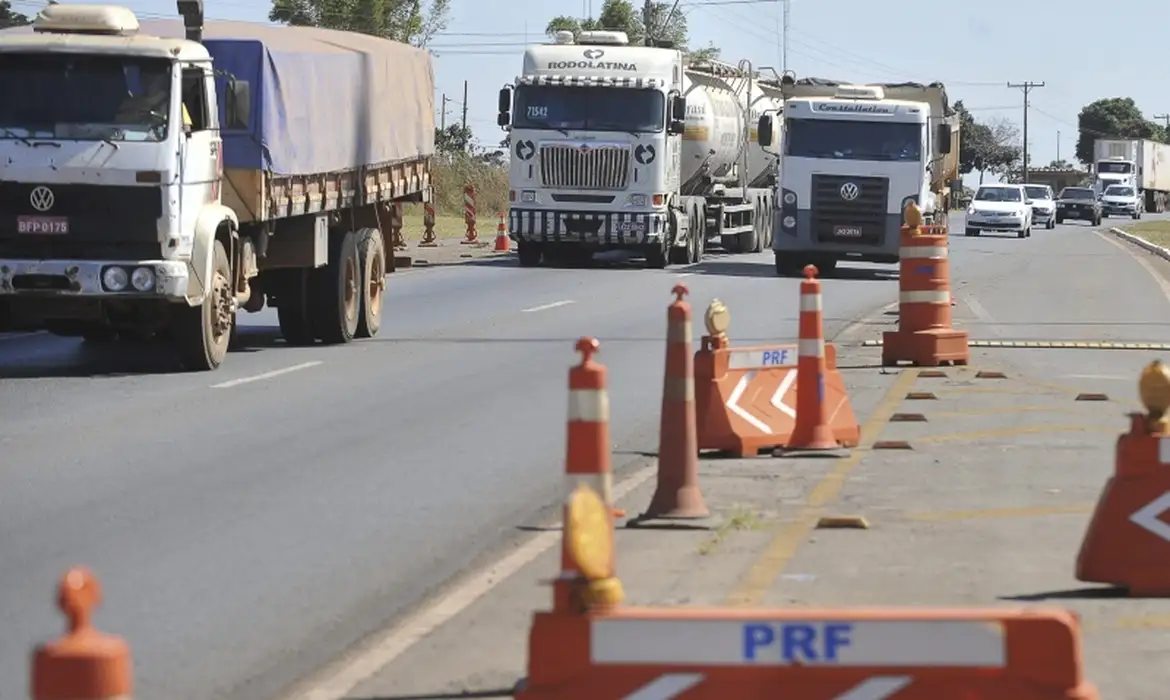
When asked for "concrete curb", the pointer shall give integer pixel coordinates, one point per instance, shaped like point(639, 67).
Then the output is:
point(1142, 243)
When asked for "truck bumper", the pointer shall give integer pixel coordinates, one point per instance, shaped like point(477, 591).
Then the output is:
point(600, 229)
point(800, 240)
point(83, 278)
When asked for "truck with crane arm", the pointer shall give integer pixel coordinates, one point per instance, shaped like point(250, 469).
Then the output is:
point(852, 157)
point(619, 147)
point(156, 178)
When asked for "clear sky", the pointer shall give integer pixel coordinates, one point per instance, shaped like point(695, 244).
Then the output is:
point(974, 48)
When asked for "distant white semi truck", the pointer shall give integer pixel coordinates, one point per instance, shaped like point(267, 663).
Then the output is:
point(619, 147)
point(1139, 163)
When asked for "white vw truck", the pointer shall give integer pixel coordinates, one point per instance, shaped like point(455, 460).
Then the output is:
point(852, 158)
point(158, 177)
point(619, 147)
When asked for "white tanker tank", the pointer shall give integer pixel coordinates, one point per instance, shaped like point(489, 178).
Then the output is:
point(720, 102)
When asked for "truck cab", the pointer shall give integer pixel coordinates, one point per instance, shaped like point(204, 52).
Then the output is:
point(852, 160)
point(110, 164)
point(1114, 171)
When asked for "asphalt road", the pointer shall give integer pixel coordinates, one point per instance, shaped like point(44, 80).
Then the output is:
point(248, 532)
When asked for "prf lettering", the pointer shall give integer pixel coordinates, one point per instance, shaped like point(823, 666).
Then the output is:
point(778, 356)
point(796, 643)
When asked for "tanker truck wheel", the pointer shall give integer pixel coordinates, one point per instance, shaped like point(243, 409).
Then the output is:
point(202, 333)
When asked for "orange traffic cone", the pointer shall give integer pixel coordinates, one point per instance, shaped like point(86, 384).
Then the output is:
point(83, 664)
point(502, 242)
point(677, 496)
point(812, 430)
point(1128, 540)
point(586, 450)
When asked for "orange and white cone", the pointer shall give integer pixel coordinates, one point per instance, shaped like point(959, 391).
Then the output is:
point(587, 449)
point(677, 496)
point(85, 663)
point(502, 243)
point(812, 430)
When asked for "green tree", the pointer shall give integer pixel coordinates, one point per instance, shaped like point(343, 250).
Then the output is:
point(455, 138)
point(621, 16)
point(985, 147)
point(409, 21)
point(1113, 117)
point(8, 18)
point(1061, 164)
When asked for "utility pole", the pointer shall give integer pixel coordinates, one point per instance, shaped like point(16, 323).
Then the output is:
point(1165, 119)
point(1058, 145)
point(465, 106)
point(443, 113)
point(784, 51)
point(1027, 86)
point(647, 15)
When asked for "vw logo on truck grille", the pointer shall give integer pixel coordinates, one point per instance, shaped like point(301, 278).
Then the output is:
point(41, 198)
point(850, 191)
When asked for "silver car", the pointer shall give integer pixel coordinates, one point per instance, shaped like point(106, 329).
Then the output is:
point(1121, 200)
point(1043, 205)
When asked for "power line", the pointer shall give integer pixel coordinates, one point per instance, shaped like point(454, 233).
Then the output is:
point(1027, 86)
point(1165, 118)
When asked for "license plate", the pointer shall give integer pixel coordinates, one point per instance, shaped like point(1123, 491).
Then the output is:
point(631, 227)
point(43, 225)
point(847, 231)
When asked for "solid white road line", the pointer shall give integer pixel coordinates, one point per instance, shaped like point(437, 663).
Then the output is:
point(266, 375)
point(341, 680)
point(21, 336)
point(546, 307)
point(1131, 250)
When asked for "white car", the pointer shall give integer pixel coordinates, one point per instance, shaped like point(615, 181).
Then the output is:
point(1121, 200)
point(1000, 208)
point(1043, 205)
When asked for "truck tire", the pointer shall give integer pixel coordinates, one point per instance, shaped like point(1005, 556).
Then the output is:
point(686, 254)
point(529, 254)
point(700, 233)
point(372, 252)
point(337, 292)
point(202, 333)
point(292, 306)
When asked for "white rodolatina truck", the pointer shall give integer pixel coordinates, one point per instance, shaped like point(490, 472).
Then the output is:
point(153, 180)
point(619, 147)
point(1139, 163)
point(852, 157)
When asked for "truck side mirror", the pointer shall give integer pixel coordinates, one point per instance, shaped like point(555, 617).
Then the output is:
point(238, 104)
point(764, 130)
point(678, 108)
point(504, 106)
point(944, 136)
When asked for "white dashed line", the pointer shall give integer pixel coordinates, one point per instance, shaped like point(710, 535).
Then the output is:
point(546, 307)
point(266, 375)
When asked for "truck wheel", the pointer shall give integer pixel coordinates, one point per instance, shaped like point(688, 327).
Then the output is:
point(372, 251)
point(528, 253)
point(749, 242)
point(338, 292)
point(700, 233)
point(686, 254)
point(292, 306)
point(202, 333)
point(658, 256)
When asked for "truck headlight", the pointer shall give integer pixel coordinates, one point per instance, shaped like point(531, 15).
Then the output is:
point(790, 198)
point(115, 279)
point(638, 200)
point(528, 196)
point(789, 222)
point(142, 279)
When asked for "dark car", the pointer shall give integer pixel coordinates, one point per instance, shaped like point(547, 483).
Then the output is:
point(1078, 203)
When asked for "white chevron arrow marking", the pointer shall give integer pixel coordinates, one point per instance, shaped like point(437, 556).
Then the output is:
point(778, 397)
point(734, 407)
point(666, 687)
point(876, 688)
point(1149, 517)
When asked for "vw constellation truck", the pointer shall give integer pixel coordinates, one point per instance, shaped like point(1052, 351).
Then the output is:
point(619, 147)
point(157, 178)
point(852, 157)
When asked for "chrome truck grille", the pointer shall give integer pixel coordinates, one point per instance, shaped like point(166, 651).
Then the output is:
point(585, 168)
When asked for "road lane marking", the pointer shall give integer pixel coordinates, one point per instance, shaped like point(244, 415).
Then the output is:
point(766, 570)
point(982, 314)
point(1129, 249)
point(546, 307)
point(21, 336)
point(266, 375)
point(358, 667)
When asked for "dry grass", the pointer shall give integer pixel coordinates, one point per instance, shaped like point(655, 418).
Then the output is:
point(449, 176)
point(1156, 232)
point(447, 227)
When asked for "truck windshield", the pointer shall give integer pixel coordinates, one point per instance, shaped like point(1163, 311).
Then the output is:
point(589, 108)
point(853, 140)
point(84, 98)
point(1122, 168)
